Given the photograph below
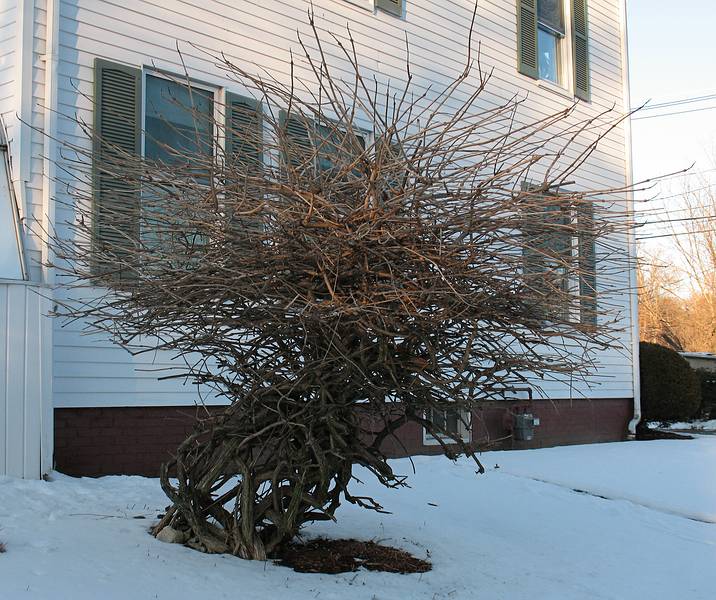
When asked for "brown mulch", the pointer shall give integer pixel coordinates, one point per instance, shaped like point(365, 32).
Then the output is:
point(341, 556)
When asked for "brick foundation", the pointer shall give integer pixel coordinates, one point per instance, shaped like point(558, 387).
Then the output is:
point(109, 441)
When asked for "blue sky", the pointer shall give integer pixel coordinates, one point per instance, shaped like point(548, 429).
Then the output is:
point(672, 47)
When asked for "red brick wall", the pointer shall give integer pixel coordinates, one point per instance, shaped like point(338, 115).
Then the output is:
point(114, 441)
point(108, 441)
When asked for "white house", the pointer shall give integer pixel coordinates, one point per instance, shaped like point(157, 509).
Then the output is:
point(83, 404)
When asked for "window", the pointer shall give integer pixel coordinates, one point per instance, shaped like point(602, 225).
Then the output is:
point(550, 36)
point(178, 138)
point(552, 43)
point(178, 121)
point(138, 113)
point(311, 145)
point(337, 149)
point(454, 421)
point(558, 263)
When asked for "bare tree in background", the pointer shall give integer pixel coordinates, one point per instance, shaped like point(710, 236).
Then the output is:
point(695, 241)
point(370, 256)
point(661, 310)
point(677, 293)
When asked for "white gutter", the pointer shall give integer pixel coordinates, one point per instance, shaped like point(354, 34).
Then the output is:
point(631, 239)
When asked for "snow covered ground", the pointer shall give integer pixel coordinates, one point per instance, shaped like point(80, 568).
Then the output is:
point(518, 532)
point(709, 425)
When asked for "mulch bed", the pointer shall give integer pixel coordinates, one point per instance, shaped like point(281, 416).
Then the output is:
point(341, 556)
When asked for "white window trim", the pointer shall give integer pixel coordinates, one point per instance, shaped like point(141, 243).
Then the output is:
point(365, 4)
point(465, 432)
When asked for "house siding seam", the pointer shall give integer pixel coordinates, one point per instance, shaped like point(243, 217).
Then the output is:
point(90, 371)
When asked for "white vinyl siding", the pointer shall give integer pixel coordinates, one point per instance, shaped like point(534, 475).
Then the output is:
point(8, 74)
point(92, 372)
point(25, 400)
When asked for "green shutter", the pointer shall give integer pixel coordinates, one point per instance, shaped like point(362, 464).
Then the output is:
point(587, 265)
point(394, 7)
point(527, 37)
point(580, 45)
point(116, 142)
point(297, 150)
point(244, 148)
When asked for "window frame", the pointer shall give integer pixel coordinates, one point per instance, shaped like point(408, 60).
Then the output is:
point(316, 140)
point(573, 281)
point(218, 141)
point(319, 141)
point(464, 432)
point(565, 52)
point(218, 96)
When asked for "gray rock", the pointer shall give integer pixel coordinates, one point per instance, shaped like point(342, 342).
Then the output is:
point(172, 536)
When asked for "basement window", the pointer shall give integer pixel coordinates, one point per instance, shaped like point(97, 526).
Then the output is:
point(454, 421)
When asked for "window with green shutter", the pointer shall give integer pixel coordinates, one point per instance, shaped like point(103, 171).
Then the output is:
point(547, 252)
point(546, 46)
point(178, 122)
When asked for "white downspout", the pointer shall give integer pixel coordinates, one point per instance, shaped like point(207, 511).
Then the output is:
point(631, 240)
point(49, 189)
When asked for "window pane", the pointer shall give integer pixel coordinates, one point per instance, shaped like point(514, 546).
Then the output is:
point(336, 148)
point(178, 121)
point(549, 14)
point(451, 421)
point(547, 44)
point(178, 125)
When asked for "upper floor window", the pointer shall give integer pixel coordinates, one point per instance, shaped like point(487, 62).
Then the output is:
point(550, 37)
point(552, 43)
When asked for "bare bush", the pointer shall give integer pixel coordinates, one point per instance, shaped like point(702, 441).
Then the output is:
point(371, 256)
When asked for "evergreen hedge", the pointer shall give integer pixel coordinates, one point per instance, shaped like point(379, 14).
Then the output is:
point(670, 388)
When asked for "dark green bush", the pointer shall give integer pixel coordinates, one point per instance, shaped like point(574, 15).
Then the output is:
point(670, 388)
point(708, 393)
